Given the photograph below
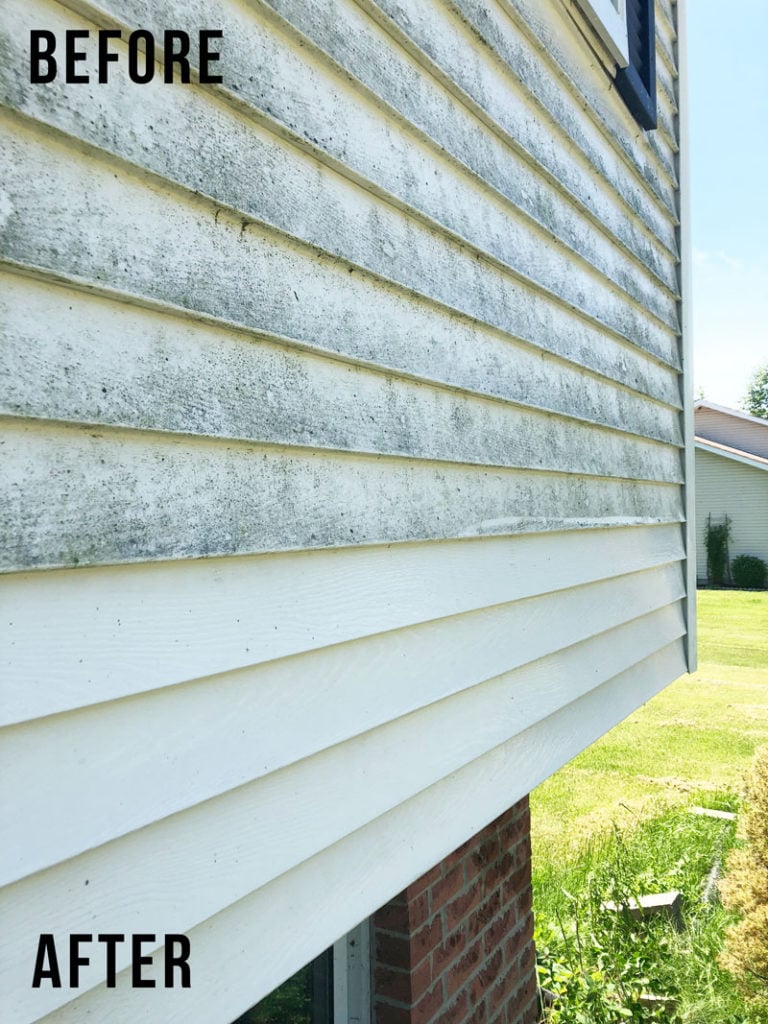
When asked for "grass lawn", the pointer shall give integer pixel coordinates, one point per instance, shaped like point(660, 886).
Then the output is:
point(690, 744)
point(696, 736)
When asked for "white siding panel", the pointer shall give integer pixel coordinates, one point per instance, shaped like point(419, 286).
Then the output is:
point(191, 373)
point(227, 264)
point(320, 197)
point(171, 376)
point(244, 839)
point(87, 636)
point(342, 443)
point(726, 487)
point(256, 718)
point(351, 878)
point(132, 497)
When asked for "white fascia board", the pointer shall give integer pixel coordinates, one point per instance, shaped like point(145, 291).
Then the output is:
point(611, 25)
point(731, 453)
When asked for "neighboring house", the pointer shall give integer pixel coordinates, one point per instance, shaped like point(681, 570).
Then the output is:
point(731, 479)
point(345, 462)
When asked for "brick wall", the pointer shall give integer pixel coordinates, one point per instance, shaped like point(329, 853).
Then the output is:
point(456, 946)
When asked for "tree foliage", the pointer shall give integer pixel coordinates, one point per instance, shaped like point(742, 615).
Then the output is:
point(745, 889)
point(756, 398)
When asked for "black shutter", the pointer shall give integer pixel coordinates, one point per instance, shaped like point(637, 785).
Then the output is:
point(637, 83)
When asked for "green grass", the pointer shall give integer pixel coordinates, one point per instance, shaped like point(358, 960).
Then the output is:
point(600, 963)
point(695, 737)
point(615, 820)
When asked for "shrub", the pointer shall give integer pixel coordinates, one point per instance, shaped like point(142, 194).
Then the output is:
point(749, 572)
point(716, 542)
point(745, 889)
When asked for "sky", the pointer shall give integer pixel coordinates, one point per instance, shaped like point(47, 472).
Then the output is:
point(728, 124)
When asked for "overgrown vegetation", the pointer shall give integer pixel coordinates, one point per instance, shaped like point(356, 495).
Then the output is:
point(745, 889)
point(603, 967)
point(687, 745)
point(749, 572)
point(716, 541)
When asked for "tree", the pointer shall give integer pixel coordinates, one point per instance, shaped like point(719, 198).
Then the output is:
point(756, 399)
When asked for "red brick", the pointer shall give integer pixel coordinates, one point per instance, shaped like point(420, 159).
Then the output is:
point(463, 968)
point(522, 1004)
point(456, 1012)
point(516, 883)
point(497, 872)
point(524, 903)
point(515, 830)
point(391, 1014)
point(498, 930)
point(483, 981)
point(478, 1013)
point(392, 984)
point(447, 952)
point(393, 950)
point(484, 915)
point(486, 852)
point(427, 938)
point(462, 906)
point(421, 979)
point(500, 994)
point(419, 910)
point(392, 917)
point(447, 887)
point(518, 940)
point(427, 880)
point(428, 1007)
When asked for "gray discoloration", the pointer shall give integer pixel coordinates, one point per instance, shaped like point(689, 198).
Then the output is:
point(326, 211)
point(267, 282)
point(81, 499)
point(167, 375)
point(454, 355)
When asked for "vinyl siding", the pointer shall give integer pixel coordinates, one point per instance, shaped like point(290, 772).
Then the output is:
point(733, 431)
point(726, 487)
point(341, 433)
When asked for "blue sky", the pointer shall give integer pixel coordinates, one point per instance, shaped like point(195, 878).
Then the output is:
point(728, 102)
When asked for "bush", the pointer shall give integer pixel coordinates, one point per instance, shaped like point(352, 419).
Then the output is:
point(716, 542)
point(745, 889)
point(749, 572)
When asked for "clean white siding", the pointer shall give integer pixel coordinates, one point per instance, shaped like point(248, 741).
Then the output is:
point(733, 431)
point(341, 427)
point(727, 487)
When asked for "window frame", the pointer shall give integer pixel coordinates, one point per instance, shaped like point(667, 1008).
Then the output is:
point(611, 25)
point(635, 53)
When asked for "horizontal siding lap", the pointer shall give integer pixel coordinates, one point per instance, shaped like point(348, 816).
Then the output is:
point(230, 268)
point(115, 631)
point(369, 863)
point(426, 100)
point(615, 207)
point(247, 837)
point(256, 718)
point(602, 135)
point(394, 336)
point(416, 257)
point(132, 497)
point(159, 379)
point(318, 195)
point(173, 372)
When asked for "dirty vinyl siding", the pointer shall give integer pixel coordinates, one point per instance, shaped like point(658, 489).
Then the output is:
point(394, 335)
